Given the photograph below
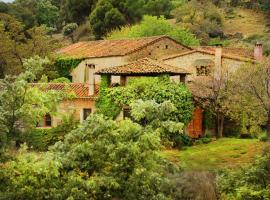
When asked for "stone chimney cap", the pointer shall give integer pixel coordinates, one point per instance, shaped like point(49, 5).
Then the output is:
point(258, 44)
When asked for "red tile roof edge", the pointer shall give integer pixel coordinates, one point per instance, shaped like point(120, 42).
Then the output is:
point(233, 57)
point(80, 89)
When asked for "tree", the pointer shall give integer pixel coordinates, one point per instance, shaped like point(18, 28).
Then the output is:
point(154, 26)
point(158, 7)
point(76, 10)
point(69, 29)
point(101, 160)
point(159, 89)
point(21, 105)
point(18, 43)
point(209, 92)
point(47, 14)
point(105, 17)
point(202, 18)
point(250, 90)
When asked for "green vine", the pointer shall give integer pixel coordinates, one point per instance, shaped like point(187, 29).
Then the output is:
point(104, 104)
point(65, 65)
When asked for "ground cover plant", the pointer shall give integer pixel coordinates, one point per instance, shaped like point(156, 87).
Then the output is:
point(222, 153)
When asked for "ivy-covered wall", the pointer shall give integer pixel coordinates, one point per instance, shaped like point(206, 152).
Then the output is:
point(64, 66)
point(104, 104)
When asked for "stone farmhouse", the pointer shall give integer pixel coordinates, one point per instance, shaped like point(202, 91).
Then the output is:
point(122, 59)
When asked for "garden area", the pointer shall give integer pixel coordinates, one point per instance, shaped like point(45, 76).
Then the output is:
point(219, 154)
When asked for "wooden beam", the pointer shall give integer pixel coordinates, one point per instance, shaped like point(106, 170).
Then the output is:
point(123, 80)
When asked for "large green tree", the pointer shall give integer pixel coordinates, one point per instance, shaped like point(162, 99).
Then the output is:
point(250, 91)
point(47, 14)
point(76, 10)
point(115, 13)
point(18, 43)
point(22, 106)
point(154, 26)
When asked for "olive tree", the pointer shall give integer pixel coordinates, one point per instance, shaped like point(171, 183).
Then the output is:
point(250, 92)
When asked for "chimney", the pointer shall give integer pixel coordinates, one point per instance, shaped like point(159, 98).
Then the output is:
point(91, 78)
point(258, 51)
point(218, 62)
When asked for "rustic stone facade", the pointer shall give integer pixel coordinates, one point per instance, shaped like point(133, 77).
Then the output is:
point(157, 50)
point(73, 107)
point(188, 62)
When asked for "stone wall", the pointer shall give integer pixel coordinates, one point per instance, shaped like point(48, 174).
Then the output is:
point(69, 107)
point(157, 50)
point(187, 62)
point(162, 48)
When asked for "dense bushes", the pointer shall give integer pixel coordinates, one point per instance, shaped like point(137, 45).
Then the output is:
point(159, 89)
point(249, 183)
point(40, 139)
point(104, 104)
point(100, 160)
point(154, 26)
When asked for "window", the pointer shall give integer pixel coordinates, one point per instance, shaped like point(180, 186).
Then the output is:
point(126, 113)
point(92, 66)
point(48, 120)
point(166, 46)
point(45, 122)
point(86, 113)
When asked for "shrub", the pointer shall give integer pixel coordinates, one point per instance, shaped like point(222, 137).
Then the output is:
point(40, 139)
point(159, 89)
point(154, 26)
point(265, 139)
point(101, 160)
point(61, 80)
point(249, 183)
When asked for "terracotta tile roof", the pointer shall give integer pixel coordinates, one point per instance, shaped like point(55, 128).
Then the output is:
point(79, 89)
point(106, 48)
point(145, 66)
point(241, 52)
point(231, 53)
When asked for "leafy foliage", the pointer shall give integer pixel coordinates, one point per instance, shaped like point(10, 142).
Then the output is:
point(104, 104)
point(159, 89)
point(69, 29)
point(102, 159)
point(18, 43)
point(203, 18)
point(65, 65)
point(41, 139)
point(22, 105)
point(153, 26)
point(47, 13)
point(251, 182)
point(248, 89)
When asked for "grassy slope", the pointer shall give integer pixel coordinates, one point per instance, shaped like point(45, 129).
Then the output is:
point(219, 154)
point(247, 22)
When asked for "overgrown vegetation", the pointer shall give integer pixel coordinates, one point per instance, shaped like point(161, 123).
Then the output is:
point(154, 26)
point(159, 89)
point(102, 159)
point(250, 182)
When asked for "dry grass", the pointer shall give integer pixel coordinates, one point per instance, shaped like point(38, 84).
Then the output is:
point(247, 22)
point(224, 153)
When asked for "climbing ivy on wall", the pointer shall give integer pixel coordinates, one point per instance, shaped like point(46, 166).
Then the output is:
point(104, 104)
point(65, 65)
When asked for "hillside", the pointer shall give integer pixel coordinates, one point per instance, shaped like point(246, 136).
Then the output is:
point(246, 22)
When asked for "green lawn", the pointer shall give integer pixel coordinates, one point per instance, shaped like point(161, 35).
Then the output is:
point(223, 153)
